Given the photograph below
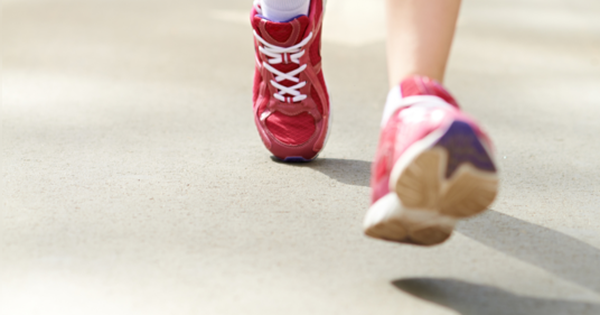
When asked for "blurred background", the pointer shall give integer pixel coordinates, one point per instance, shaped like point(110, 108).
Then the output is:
point(134, 181)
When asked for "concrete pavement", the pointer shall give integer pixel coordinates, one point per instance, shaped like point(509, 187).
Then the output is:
point(134, 181)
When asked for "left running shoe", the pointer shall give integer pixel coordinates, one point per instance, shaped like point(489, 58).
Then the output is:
point(291, 103)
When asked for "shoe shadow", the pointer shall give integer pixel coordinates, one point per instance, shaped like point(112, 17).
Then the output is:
point(349, 172)
point(557, 253)
point(475, 299)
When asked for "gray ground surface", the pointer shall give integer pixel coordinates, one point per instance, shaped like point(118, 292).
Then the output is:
point(134, 181)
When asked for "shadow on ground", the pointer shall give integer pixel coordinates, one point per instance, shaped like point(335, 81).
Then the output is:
point(555, 252)
point(475, 299)
point(560, 254)
point(349, 172)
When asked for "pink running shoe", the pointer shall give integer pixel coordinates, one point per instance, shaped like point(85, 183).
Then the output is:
point(433, 166)
point(291, 103)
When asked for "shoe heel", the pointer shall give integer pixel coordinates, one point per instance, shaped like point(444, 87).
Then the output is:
point(444, 177)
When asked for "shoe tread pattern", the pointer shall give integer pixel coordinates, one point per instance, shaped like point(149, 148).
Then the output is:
point(455, 177)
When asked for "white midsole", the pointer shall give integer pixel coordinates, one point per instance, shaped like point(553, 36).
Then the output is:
point(388, 208)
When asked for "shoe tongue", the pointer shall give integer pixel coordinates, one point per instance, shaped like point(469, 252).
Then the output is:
point(418, 85)
point(281, 33)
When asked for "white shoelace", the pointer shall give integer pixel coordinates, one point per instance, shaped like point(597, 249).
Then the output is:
point(285, 55)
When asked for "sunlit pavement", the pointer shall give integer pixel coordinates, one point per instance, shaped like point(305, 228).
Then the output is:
point(134, 181)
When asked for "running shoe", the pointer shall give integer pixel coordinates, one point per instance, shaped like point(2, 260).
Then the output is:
point(290, 99)
point(433, 166)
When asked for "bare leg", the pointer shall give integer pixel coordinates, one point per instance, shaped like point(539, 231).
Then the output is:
point(419, 37)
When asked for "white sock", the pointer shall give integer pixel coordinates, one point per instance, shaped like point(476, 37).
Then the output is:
point(393, 102)
point(284, 10)
point(396, 100)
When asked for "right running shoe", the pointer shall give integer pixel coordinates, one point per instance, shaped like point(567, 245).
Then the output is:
point(291, 103)
point(433, 166)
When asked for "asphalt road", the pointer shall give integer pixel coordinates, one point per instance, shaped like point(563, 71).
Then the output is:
point(134, 181)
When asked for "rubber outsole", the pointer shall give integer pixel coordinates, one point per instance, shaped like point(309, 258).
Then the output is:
point(447, 176)
point(295, 159)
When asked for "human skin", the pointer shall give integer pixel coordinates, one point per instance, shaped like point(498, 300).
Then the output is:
point(419, 37)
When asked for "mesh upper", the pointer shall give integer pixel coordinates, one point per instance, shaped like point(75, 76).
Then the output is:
point(291, 130)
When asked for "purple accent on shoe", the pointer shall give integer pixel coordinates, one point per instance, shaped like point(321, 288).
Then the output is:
point(463, 146)
point(293, 159)
point(265, 18)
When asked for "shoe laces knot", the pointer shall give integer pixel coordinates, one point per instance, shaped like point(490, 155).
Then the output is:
point(286, 55)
